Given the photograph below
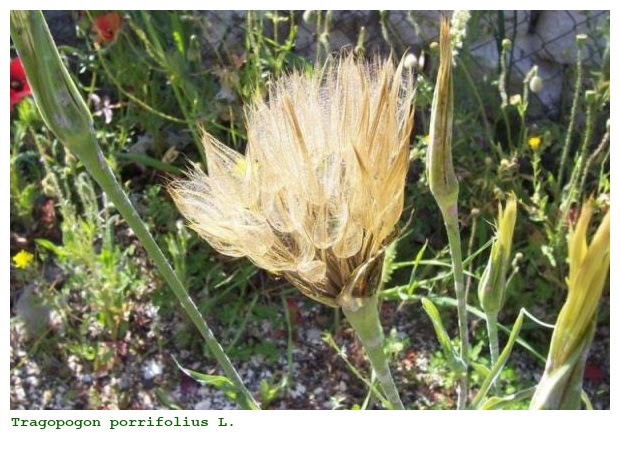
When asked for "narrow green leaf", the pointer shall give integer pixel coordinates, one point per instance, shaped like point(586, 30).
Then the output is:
point(166, 401)
point(221, 383)
point(416, 263)
point(57, 250)
point(454, 361)
point(481, 369)
point(149, 161)
point(502, 402)
point(480, 314)
point(327, 338)
point(501, 361)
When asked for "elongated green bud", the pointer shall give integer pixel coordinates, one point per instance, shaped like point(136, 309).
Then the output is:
point(493, 282)
point(441, 176)
point(55, 93)
point(560, 385)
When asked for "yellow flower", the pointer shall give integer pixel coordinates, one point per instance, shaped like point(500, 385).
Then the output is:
point(23, 259)
point(534, 142)
point(321, 186)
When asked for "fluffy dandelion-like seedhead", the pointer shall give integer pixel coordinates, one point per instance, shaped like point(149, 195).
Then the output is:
point(318, 193)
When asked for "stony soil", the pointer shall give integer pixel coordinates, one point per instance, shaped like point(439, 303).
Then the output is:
point(143, 374)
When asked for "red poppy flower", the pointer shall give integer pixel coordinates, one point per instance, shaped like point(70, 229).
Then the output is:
point(19, 84)
point(107, 27)
point(593, 373)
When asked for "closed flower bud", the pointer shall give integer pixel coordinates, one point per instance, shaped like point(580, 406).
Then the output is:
point(493, 282)
point(581, 39)
point(55, 93)
point(193, 50)
point(515, 99)
point(411, 61)
point(421, 61)
point(309, 16)
point(536, 84)
point(560, 386)
point(506, 44)
point(441, 177)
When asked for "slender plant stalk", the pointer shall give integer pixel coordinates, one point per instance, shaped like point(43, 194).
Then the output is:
point(604, 142)
point(493, 339)
point(445, 187)
point(497, 367)
point(102, 173)
point(470, 247)
point(289, 345)
point(365, 321)
point(570, 192)
point(571, 122)
point(450, 217)
point(522, 109)
point(66, 114)
point(371, 383)
point(504, 95)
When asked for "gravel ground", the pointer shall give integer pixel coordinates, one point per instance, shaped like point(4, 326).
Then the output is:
point(143, 375)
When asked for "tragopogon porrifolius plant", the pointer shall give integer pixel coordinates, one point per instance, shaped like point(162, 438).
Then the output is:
point(317, 198)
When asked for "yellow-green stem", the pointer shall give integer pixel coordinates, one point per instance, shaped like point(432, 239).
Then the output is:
point(493, 339)
point(450, 218)
point(365, 320)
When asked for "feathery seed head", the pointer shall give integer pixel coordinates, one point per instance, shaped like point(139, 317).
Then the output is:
point(318, 193)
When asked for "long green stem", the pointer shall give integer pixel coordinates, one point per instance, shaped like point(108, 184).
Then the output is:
point(571, 122)
point(591, 160)
point(101, 172)
point(493, 338)
point(504, 96)
point(450, 217)
point(365, 321)
point(570, 194)
point(470, 247)
point(65, 113)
